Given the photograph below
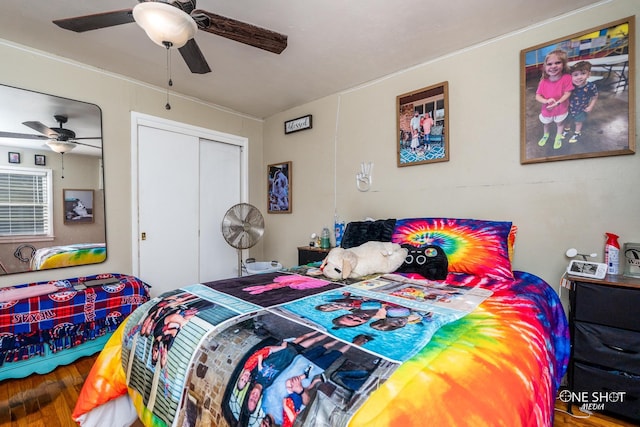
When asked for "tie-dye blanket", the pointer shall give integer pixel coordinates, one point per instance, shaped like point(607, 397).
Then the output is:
point(68, 255)
point(279, 348)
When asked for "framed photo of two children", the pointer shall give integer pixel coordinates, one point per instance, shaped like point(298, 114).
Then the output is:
point(578, 95)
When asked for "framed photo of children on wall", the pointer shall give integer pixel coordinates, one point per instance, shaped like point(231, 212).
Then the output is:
point(423, 125)
point(578, 95)
point(279, 187)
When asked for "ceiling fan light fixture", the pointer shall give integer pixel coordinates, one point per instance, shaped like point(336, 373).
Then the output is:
point(61, 146)
point(164, 23)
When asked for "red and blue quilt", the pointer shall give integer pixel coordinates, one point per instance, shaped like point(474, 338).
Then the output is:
point(59, 314)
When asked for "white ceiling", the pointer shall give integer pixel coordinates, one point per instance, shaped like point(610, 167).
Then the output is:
point(332, 44)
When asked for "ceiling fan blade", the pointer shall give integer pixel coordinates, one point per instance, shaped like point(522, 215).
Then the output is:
point(194, 58)
point(240, 31)
point(39, 127)
point(80, 24)
point(86, 137)
point(21, 135)
point(86, 145)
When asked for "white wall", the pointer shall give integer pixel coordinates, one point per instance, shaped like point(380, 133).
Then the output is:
point(556, 205)
point(117, 97)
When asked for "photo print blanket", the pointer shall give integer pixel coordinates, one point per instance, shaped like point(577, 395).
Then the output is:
point(277, 349)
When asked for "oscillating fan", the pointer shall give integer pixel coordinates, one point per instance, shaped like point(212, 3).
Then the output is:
point(242, 228)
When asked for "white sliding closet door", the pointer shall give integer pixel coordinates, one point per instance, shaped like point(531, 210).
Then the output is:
point(219, 190)
point(168, 208)
point(185, 186)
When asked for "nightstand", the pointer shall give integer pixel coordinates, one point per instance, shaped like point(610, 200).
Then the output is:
point(604, 370)
point(309, 254)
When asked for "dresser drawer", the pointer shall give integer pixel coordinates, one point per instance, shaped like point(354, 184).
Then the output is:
point(590, 379)
point(607, 305)
point(607, 346)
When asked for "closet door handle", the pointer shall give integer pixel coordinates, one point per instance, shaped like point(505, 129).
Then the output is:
point(619, 349)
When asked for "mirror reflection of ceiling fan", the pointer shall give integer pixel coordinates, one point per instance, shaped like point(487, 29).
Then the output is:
point(177, 24)
point(59, 139)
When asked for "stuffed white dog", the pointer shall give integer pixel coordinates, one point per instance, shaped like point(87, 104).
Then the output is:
point(368, 258)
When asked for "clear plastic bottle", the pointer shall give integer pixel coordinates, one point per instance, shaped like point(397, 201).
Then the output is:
point(325, 238)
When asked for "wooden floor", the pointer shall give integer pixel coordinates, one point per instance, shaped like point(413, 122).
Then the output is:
point(48, 400)
point(43, 400)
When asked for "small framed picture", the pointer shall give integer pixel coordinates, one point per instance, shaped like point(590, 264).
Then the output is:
point(279, 188)
point(14, 157)
point(40, 160)
point(78, 206)
point(301, 123)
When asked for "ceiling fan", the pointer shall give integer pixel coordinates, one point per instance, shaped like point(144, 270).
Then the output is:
point(59, 139)
point(186, 18)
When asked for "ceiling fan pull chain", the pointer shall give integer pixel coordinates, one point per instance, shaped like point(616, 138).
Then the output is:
point(62, 170)
point(169, 82)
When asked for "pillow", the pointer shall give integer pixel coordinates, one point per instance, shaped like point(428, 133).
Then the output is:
point(358, 232)
point(428, 261)
point(472, 246)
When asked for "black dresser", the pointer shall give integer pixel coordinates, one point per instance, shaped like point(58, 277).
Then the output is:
point(604, 371)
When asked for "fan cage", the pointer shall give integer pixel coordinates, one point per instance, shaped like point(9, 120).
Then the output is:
point(242, 227)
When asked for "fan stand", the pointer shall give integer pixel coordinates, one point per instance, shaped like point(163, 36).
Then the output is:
point(239, 262)
point(246, 226)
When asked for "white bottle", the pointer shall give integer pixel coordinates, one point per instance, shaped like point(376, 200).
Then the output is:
point(612, 253)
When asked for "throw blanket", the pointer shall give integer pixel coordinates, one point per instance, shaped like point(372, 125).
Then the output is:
point(68, 255)
point(64, 317)
point(275, 348)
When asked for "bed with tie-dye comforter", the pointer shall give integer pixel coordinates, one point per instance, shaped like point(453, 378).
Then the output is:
point(289, 349)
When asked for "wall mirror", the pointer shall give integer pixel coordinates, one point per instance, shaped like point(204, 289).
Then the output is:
point(50, 152)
